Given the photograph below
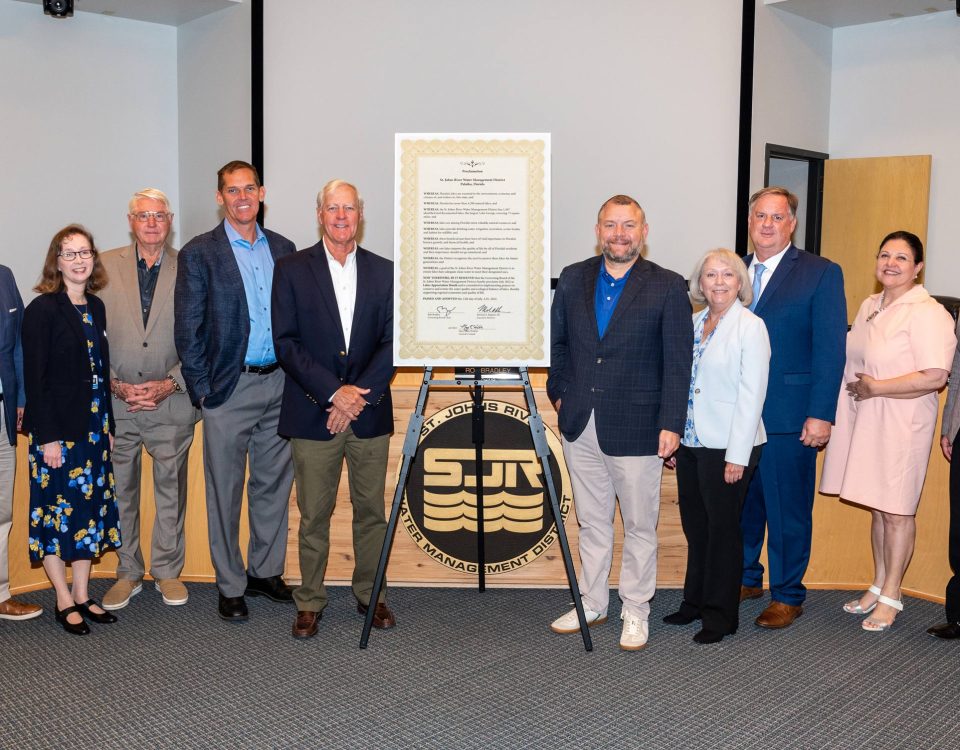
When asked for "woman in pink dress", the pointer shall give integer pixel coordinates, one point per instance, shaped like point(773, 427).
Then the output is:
point(899, 352)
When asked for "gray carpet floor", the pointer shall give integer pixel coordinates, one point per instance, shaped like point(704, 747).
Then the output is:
point(470, 670)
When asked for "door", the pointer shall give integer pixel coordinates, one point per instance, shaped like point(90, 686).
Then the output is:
point(863, 201)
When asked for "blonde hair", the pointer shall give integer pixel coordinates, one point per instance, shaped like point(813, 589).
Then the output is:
point(732, 261)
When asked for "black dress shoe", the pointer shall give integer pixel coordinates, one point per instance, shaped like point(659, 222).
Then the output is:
point(947, 630)
point(273, 588)
point(383, 617)
point(679, 618)
point(232, 608)
point(74, 628)
point(708, 636)
point(102, 618)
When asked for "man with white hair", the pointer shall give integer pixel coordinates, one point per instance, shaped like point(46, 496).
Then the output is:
point(150, 405)
point(333, 334)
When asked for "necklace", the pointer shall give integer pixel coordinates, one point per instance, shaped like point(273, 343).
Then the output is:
point(84, 315)
point(875, 313)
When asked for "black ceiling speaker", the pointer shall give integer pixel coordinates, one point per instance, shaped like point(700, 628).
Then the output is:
point(58, 8)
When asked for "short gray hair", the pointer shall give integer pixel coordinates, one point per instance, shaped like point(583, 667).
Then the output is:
point(333, 185)
point(732, 261)
point(149, 194)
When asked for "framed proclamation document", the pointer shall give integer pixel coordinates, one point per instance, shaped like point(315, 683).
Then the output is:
point(472, 249)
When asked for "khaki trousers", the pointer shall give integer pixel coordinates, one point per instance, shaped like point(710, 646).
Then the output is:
point(317, 465)
point(598, 481)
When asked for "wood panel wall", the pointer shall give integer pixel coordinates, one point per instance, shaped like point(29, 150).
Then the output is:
point(841, 552)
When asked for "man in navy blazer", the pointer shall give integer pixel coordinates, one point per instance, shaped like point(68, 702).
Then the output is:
point(333, 333)
point(621, 351)
point(11, 406)
point(223, 335)
point(800, 298)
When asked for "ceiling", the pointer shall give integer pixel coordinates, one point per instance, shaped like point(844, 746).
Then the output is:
point(167, 12)
point(836, 13)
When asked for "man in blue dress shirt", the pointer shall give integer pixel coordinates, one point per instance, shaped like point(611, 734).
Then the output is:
point(621, 351)
point(225, 341)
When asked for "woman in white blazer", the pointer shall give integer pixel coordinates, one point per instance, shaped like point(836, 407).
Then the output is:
point(721, 441)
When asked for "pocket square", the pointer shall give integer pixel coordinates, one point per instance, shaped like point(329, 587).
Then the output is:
point(12, 309)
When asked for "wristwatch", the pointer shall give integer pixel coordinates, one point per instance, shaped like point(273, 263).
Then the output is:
point(176, 385)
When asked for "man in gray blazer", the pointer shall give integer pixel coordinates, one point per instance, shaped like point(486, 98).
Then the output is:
point(224, 337)
point(621, 351)
point(11, 415)
point(150, 404)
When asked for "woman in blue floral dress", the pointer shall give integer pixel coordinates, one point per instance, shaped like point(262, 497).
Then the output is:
point(66, 364)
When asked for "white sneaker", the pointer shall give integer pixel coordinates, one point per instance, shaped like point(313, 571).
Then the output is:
point(635, 632)
point(570, 623)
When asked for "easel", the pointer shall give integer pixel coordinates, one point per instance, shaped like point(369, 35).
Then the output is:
point(473, 378)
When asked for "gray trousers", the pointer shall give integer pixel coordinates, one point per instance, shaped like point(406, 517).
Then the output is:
point(8, 467)
point(598, 481)
point(169, 446)
point(245, 427)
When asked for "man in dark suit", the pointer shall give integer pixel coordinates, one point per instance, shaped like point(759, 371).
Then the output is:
point(800, 298)
point(622, 340)
point(11, 416)
point(333, 334)
point(223, 335)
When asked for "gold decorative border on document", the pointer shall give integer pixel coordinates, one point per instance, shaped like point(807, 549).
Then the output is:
point(534, 348)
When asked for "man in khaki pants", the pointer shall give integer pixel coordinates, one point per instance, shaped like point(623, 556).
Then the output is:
point(150, 405)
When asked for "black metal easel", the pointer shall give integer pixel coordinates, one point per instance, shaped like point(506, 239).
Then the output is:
point(410, 445)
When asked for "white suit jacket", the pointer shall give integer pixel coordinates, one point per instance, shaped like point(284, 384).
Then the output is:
point(731, 384)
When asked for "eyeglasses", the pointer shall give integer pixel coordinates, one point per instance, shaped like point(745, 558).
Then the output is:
point(144, 216)
point(74, 254)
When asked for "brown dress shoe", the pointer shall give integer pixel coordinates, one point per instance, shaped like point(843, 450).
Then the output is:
point(14, 609)
point(778, 615)
point(383, 617)
point(750, 592)
point(305, 626)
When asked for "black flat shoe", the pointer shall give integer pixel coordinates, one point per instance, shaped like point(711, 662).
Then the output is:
point(273, 588)
point(74, 628)
point(679, 618)
point(104, 618)
point(232, 608)
point(708, 636)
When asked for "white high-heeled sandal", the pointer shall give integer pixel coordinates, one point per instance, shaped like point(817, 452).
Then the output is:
point(853, 606)
point(873, 626)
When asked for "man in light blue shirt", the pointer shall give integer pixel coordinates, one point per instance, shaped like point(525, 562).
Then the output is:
point(225, 341)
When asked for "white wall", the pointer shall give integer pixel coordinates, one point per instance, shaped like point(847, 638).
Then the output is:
point(896, 91)
point(89, 117)
point(213, 76)
point(641, 96)
point(791, 86)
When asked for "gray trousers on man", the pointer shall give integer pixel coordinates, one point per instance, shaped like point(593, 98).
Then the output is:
point(245, 427)
point(169, 447)
point(8, 467)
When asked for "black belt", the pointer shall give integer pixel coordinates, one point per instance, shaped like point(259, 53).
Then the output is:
point(260, 369)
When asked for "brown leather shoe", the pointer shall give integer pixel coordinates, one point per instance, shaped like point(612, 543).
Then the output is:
point(305, 626)
point(13, 609)
point(778, 615)
point(750, 592)
point(383, 617)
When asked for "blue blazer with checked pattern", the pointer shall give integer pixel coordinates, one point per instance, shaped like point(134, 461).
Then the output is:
point(635, 379)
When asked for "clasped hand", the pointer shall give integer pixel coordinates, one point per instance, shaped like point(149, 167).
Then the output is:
point(861, 388)
point(347, 403)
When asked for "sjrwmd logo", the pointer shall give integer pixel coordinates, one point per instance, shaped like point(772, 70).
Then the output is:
point(440, 505)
